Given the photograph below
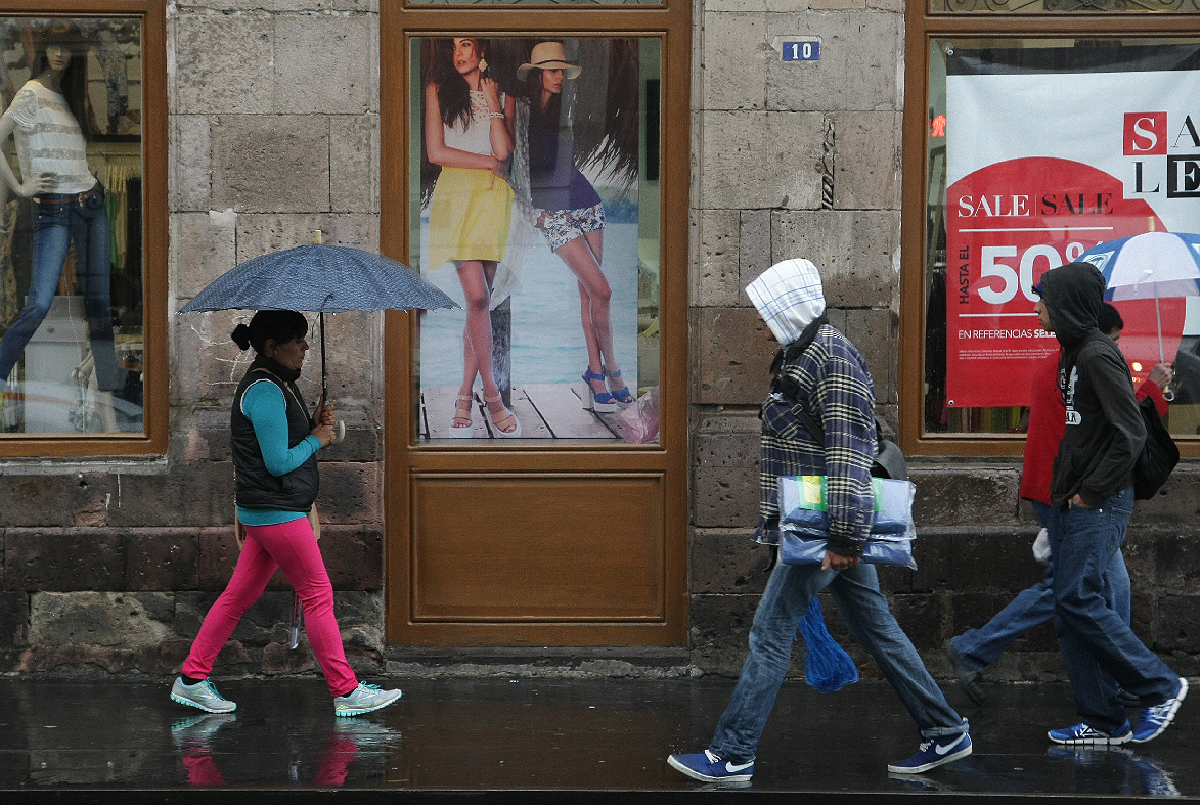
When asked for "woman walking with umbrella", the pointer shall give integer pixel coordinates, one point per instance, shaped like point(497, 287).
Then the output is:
point(274, 445)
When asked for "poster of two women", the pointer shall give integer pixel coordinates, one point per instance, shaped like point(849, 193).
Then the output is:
point(535, 217)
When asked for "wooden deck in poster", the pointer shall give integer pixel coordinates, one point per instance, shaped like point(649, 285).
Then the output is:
point(546, 411)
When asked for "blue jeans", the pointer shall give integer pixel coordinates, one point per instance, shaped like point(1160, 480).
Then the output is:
point(1034, 606)
point(58, 220)
point(1097, 645)
point(865, 611)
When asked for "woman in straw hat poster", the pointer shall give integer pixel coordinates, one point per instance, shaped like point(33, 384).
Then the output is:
point(581, 146)
point(571, 216)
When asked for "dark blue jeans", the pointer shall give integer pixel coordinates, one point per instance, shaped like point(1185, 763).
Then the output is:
point(1097, 646)
point(865, 610)
point(58, 220)
point(1034, 606)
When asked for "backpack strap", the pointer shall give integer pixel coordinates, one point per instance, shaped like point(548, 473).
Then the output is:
point(787, 387)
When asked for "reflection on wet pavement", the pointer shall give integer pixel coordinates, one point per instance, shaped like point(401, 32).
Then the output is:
point(531, 735)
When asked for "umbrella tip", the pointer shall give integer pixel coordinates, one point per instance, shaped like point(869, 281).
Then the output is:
point(317, 236)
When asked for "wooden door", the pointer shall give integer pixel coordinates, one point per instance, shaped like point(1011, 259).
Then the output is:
point(572, 534)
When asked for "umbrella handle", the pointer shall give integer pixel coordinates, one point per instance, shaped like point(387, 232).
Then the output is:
point(297, 619)
point(1158, 315)
point(339, 427)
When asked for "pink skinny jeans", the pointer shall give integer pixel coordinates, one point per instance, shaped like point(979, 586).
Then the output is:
point(292, 548)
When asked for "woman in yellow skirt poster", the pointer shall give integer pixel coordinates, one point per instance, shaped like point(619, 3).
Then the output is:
point(467, 133)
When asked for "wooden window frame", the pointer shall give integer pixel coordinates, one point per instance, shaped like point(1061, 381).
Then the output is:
point(155, 223)
point(922, 26)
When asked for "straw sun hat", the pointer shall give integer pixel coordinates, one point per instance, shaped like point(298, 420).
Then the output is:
point(549, 56)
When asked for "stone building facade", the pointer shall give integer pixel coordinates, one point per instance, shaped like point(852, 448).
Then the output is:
point(109, 565)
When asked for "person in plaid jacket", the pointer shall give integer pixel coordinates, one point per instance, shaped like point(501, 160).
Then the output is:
point(819, 371)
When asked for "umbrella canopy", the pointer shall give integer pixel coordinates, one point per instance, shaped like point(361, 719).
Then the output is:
point(1152, 265)
point(320, 278)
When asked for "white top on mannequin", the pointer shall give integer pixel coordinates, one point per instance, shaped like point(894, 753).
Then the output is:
point(49, 139)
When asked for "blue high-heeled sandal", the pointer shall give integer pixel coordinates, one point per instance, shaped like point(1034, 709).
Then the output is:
point(602, 403)
point(622, 395)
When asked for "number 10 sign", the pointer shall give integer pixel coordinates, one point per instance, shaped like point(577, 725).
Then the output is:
point(801, 50)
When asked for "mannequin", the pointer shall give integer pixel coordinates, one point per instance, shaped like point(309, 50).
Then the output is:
point(68, 202)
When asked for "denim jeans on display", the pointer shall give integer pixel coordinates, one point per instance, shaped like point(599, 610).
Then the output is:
point(1097, 646)
point(865, 610)
point(58, 220)
point(1034, 606)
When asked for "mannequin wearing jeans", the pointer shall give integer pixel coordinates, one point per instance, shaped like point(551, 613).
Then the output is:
point(68, 204)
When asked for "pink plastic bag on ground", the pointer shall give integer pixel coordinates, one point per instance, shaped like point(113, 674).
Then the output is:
point(641, 419)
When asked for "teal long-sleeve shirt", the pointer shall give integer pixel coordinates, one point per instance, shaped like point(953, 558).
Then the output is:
point(263, 403)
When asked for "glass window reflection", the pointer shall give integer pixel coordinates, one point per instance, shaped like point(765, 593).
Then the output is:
point(71, 271)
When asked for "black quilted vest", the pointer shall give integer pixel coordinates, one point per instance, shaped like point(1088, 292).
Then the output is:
point(255, 487)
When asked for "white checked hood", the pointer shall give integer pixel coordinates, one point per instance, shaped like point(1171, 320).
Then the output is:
point(788, 296)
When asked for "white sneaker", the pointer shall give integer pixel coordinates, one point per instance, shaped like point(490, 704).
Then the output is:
point(364, 699)
point(202, 695)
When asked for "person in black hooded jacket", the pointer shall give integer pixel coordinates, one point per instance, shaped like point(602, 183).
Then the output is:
point(1092, 497)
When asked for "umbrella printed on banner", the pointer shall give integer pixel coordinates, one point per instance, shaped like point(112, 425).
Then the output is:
point(1152, 265)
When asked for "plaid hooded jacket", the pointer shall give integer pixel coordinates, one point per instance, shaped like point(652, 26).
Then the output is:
point(829, 380)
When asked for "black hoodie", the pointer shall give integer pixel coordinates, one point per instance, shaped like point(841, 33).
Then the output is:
point(1104, 427)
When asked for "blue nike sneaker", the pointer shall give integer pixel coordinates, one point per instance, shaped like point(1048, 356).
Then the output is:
point(934, 752)
point(708, 767)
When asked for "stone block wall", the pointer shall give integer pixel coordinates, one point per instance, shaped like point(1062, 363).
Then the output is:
point(802, 159)
point(798, 159)
point(274, 132)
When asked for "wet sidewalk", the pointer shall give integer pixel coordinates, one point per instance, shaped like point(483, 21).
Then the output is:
point(531, 740)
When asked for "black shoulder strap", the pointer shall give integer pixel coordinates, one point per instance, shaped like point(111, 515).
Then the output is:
point(811, 425)
point(285, 384)
point(784, 385)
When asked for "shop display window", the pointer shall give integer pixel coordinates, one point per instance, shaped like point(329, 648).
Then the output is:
point(1036, 151)
point(74, 240)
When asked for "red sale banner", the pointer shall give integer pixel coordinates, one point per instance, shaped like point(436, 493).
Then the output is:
point(1007, 223)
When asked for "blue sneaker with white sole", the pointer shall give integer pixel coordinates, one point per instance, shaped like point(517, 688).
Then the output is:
point(1155, 719)
point(933, 753)
point(1082, 735)
point(708, 767)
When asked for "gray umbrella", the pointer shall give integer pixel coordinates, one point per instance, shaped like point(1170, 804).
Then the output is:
point(321, 279)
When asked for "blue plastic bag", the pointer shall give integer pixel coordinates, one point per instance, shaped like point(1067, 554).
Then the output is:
point(827, 666)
